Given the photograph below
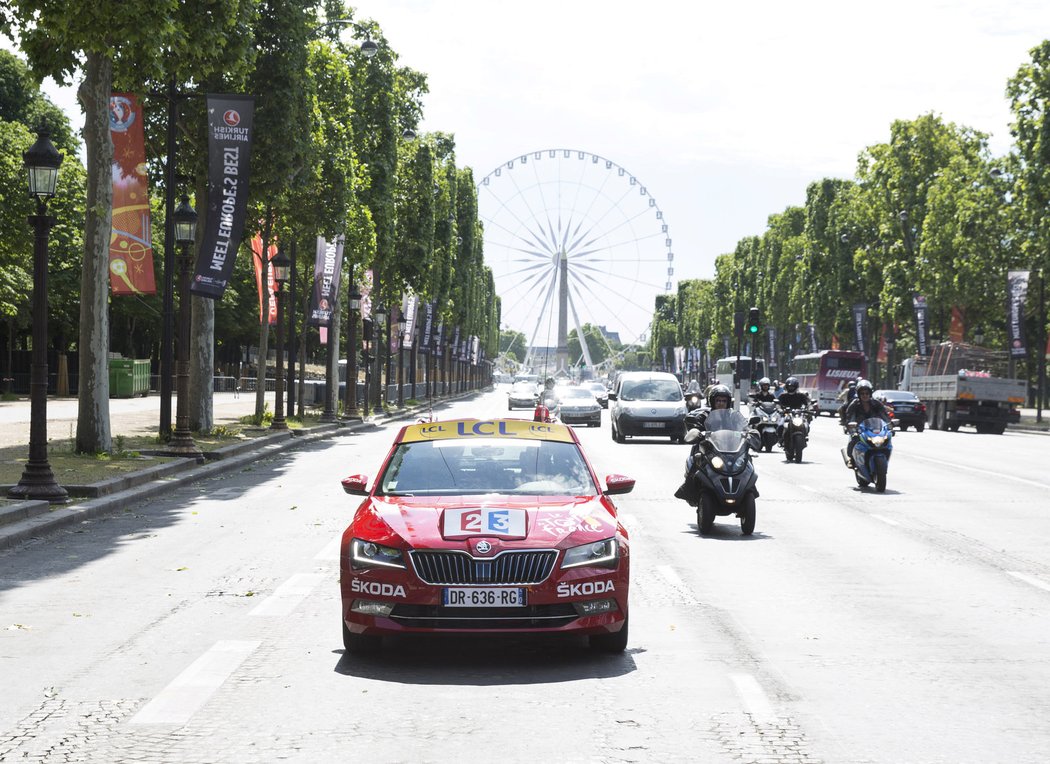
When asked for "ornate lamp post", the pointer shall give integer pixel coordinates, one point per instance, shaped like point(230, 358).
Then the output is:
point(377, 331)
point(281, 266)
point(402, 322)
point(185, 227)
point(42, 161)
point(350, 400)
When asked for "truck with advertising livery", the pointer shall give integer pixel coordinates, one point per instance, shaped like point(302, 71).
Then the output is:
point(964, 384)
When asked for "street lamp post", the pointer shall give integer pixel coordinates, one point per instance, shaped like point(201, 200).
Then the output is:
point(401, 324)
point(350, 399)
point(377, 332)
point(281, 265)
point(184, 219)
point(42, 161)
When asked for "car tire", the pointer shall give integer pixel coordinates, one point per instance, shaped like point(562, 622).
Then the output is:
point(360, 644)
point(617, 436)
point(920, 427)
point(904, 428)
point(610, 643)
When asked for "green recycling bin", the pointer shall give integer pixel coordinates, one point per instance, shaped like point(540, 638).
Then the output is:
point(128, 377)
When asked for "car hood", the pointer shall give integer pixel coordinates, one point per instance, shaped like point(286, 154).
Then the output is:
point(534, 522)
point(660, 407)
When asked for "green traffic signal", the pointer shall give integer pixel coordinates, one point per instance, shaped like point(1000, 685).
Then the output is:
point(753, 320)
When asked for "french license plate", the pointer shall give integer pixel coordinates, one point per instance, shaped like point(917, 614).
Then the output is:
point(653, 425)
point(472, 596)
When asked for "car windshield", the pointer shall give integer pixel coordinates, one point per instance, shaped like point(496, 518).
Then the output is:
point(486, 465)
point(597, 387)
point(579, 393)
point(897, 396)
point(651, 390)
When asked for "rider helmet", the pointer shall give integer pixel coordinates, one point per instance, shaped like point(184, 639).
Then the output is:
point(865, 385)
point(852, 384)
point(791, 385)
point(719, 391)
point(764, 383)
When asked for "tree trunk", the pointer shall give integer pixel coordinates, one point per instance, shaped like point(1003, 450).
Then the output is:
point(264, 323)
point(202, 340)
point(93, 426)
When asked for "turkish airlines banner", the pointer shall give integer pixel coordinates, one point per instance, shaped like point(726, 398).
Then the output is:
point(229, 165)
point(428, 326)
point(860, 314)
point(409, 309)
point(918, 302)
point(1016, 291)
point(257, 257)
point(771, 338)
point(130, 239)
point(328, 266)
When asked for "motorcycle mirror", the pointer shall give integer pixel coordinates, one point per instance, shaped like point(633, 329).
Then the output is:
point(691, 436)
point(754, 420)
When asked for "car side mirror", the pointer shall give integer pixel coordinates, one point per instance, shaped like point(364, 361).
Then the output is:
point(612, 396)
point(356, 485)
point(615, 484)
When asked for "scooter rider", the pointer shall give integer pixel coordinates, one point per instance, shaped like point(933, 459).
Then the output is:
point(718, 397)
point(864, 406)
point(790, 399)
point(764, 394)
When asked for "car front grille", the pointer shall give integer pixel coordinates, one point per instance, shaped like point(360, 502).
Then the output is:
point(520, 618)
point(459, 568)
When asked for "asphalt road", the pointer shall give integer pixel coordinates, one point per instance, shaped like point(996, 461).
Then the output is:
point(910, 626)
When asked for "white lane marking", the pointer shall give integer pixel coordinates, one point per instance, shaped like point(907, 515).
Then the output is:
point(331, 549)
point(886, 520)
point(755, 701)
point(806, 488)
point(190, 690)
point(968, 468)
point(672, 578)
point(630, 522)
point(1029, 580)
point(288, 595)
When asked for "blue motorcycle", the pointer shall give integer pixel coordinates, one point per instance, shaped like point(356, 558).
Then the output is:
point(871, 454)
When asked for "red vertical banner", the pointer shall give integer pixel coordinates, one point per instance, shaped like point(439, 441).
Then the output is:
point(958, 326)
point(883, 354)
point(130, 244)
point(271, 284)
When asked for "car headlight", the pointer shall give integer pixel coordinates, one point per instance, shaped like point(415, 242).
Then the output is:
point(371, 554)
point(603, 554)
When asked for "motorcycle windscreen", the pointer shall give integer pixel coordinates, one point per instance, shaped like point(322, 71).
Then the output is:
point(725, 419)
point(873, 425)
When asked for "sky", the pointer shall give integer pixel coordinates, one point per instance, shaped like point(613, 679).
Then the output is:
point(726, 111)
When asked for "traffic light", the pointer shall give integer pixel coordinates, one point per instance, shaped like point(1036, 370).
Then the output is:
point(752, 321)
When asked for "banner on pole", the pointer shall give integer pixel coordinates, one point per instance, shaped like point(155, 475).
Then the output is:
point(409, 305)
point(328, 266)
point(771, 338)
point(130, 238)
point(261, 266)
point(860, 315)
point(812, 338)
point(918, 302)
point(957, 330)
point(1016, 291)
point(229, 166)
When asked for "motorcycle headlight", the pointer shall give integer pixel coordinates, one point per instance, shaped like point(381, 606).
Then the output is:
point(603, 554)
point(736, 463)
point(717, 462)
point(878, 440)
point(797, 421)
point(369, 554)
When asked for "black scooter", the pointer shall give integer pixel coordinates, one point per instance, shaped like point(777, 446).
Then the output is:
point(721, 467)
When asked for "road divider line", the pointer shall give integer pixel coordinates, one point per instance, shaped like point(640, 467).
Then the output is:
point(886, 520)
point(287, 596)
point(1029, 580)
point(331, 549)
point(754, 698)
point(968, 468)
point(670, 576)
point(190, 690)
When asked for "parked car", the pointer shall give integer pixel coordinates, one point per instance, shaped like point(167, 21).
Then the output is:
point(522, 395)
point(601, 393)
point(485, 527)
point(578, 405)
point(647, 404)
point(904, 406)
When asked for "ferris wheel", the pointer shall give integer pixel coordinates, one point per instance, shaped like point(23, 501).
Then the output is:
point(573, 238)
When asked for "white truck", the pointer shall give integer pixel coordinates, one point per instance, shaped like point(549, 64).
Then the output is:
point(962, 384)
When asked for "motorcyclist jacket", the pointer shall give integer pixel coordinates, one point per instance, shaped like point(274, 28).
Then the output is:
point(763, 397)
point(855, 411)
point(796, 400)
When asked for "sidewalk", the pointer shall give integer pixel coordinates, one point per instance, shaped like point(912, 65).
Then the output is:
point(23, 520)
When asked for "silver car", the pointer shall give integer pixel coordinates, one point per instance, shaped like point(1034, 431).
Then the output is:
point(647, 404)
point(522, 395)
point(601, 393)
point(577, 405)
